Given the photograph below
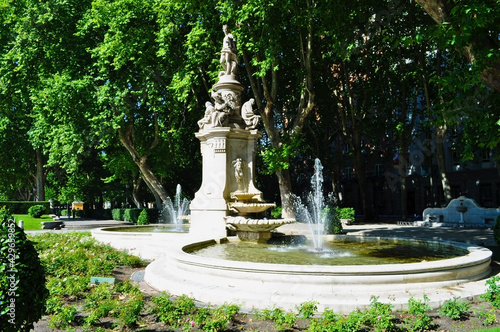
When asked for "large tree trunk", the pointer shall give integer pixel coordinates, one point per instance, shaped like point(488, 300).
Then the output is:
point(40, 176)
point(135, 192)
point(126, 138)
point(439, 11)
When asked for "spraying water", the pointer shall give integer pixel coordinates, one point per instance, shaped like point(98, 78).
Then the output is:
point(316, 211)
point(173, 211)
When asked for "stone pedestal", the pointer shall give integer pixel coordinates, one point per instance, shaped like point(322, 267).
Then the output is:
point(220, 147)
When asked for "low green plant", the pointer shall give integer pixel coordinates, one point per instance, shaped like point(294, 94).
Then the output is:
point(307, 309)
point(172, 312)
point(283, 320)
point(331, 322)
point(276, 212)
point(36, 211)
point(214, 319)
point(63, 317)
point(454, 309)
point(488, 317)
point(419, 319)
point(345, 213)
point(143, 218)
point(379, 315)
point(492, 294)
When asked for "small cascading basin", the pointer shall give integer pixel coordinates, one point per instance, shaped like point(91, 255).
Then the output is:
point(341, 288)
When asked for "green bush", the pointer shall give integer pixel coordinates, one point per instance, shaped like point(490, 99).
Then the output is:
point(22, 278)
point(454, 309)
point(332, 222)
point(36, 211)
point(143, 218)
point(345, 213)
point(21, 207)
point(132, 215)
point(492, 294)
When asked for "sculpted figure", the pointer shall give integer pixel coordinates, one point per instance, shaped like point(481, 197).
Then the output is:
point(207, 119)
point(251, 119)
point(228, 57)
point(238, 173)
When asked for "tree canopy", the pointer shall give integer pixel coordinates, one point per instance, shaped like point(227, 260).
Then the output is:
point(97, 96)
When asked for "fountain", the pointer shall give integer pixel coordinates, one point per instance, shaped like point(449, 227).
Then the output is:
point(228, 198)
point(176, 211)
point(316, 212)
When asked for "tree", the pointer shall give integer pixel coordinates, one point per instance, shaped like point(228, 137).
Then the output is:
point(278, 60)
point(472, 28)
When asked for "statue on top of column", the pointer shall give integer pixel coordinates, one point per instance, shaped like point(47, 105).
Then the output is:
point(228, 57)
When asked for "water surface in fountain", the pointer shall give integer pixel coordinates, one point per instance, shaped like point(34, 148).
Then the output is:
point(348, 250)
point(174, 211)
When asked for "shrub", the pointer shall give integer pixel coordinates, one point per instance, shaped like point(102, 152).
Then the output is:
point(143, 218)
point(132, 215)
point(276, 212)
point(21, 207)
point(36, 211)
point(419, 320)
point(332, 222)
point(454, 309)
point(380, 316)
point(23, 303)
point(492, 294)
point(345, 213)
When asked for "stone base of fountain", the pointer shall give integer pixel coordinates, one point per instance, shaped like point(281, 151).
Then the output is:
point(340, 288)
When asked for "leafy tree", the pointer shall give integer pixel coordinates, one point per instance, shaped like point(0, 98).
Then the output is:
point(472, 28)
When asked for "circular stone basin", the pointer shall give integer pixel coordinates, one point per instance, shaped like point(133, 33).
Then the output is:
point(348, 251)
point(148, 242)
point(342, 288)
point(160, 228)
point(246, 208)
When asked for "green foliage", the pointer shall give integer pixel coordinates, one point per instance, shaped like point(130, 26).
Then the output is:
point(419, 319)
point(345, 213)
point(283, 320)
point(488, 317)
point(307, 309)
point(22, 207)
point(454, 309)
point(172, 312)
point(278, 158)
point(215, 319)
point(276, 212)
point(22, 278)
point(333, 225)
point(492, 294)
point(132, 215)
point(143, 218)
point(36, 211)
point(63, 316)
point(380, 316)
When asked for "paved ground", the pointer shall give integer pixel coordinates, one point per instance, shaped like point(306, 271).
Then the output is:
point(480, 236)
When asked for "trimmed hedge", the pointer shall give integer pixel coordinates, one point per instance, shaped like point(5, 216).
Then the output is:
point(132, 215)
point(22, 207)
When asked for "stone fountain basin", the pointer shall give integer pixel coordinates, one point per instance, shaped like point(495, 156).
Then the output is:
point(256, 225)
point(341, 288)
point(246, 208)
point(147, 245)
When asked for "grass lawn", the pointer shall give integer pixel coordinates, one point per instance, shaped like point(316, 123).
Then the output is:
point(30, 223)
